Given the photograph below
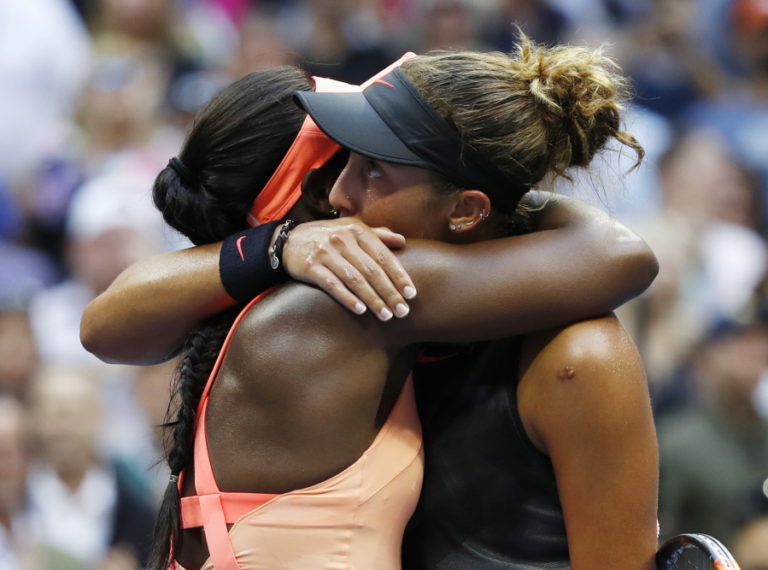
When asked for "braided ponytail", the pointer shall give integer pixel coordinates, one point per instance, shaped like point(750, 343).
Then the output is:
point(199, 355)
point(236, 143)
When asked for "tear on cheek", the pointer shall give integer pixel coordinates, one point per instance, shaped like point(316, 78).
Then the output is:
point(566, 373)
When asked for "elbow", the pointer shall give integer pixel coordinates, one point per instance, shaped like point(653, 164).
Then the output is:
point(97, 336)
point(90, 336)
point(109, 342)
point(651, 266)
point(637, 260)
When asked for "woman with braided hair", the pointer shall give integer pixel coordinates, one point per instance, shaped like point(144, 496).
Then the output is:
point(308, 409)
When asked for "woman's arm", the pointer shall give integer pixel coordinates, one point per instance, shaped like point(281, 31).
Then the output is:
point(580, 264)
point(584, 401)
point(146, 313)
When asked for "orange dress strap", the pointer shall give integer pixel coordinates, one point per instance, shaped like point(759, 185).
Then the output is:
point(211, 507)
point(235, 505)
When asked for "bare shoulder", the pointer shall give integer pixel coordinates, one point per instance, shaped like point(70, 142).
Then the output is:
point(298, 356)
point(302, 382)
point(584, 401)
point(578, 348)
point(588, 374)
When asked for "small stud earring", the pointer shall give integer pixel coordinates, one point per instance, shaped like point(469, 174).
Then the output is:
point(334, 212)
point(454, 227)
point(484, 214)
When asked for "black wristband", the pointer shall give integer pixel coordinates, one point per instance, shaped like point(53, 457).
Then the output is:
point(244, 263)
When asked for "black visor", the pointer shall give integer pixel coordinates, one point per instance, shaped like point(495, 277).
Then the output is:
point(391, 121)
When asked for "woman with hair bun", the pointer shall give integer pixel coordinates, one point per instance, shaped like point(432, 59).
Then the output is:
point(538, 447)
point(302, 449)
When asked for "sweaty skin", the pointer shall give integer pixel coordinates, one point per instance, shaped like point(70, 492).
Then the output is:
point(297, 437)
point(159, 300)
point(593, 418)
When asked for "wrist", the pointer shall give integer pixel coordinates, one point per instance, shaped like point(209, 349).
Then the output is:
point(244, 262)
point(278, 244)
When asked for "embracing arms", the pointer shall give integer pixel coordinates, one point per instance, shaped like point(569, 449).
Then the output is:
point(150, 308)
point(578, 264)
point(147, 312)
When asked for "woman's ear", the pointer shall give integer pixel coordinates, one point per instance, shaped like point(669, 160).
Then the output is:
point(472, 207)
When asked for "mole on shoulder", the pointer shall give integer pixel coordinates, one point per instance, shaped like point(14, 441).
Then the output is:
point(567, 373)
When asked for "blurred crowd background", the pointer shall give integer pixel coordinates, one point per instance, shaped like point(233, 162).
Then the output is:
point(95, 96)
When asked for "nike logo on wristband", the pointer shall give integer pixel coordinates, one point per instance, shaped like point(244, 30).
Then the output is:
point(382, 82)
point(239, 246)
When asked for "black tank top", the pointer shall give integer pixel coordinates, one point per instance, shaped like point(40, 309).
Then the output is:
point(489, 499)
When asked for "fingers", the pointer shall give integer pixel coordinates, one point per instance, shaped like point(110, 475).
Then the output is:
point(368, 274)
point(328, 282)
point(386, 269)
point(358, 302)
point(351, 263)
point(389, 238)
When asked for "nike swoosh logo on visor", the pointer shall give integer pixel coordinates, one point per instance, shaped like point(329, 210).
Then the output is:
point(239, 246)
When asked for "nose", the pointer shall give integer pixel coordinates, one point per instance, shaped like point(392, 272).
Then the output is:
point(340, 197)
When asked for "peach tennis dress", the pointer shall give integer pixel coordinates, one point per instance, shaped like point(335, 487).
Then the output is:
point(354, 520)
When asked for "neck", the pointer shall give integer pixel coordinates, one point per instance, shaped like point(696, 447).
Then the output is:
point(484, 230)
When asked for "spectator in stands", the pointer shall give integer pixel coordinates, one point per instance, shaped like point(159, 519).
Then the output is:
point(16, 546)
point(83, 506)
point(714, 450)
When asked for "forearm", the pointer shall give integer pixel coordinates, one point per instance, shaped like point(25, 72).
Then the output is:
point(597, 263)
point(551, 211)
point(586, 266)
point(147, 312)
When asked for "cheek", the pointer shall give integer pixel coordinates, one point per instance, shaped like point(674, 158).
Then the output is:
point(418, 217)
point(376, 213)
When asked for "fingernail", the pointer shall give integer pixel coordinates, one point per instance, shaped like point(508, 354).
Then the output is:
point(385, 314)
point(409, 292)
point(359, 308)
point(401, 310)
